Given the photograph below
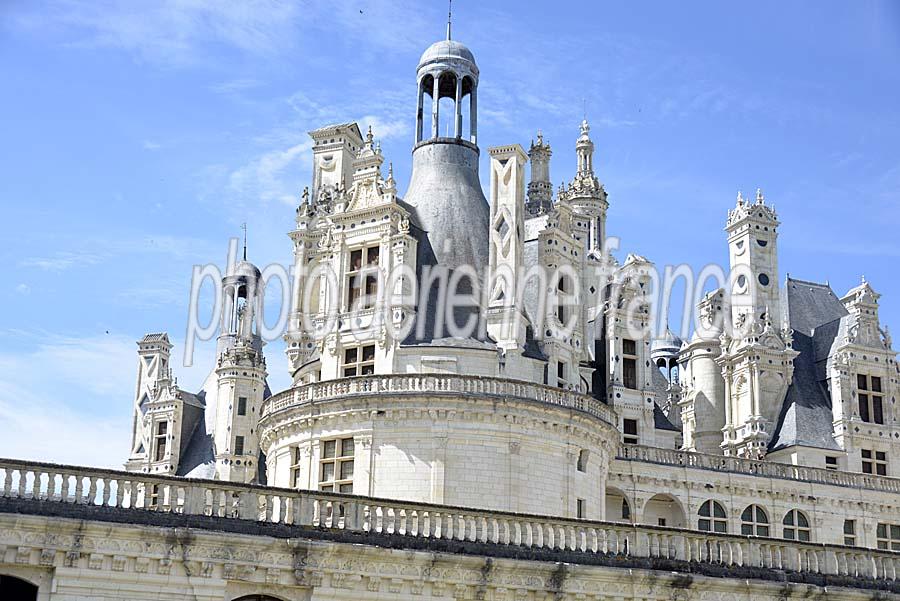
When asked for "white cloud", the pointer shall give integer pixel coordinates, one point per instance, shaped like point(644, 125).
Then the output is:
point(172, 31)
point(385, 128)
point(68, 399)
point(23, 289)
point(63, 399)
point(235, 86)
point(62, 260)
point(272, 176)
point(151, 145)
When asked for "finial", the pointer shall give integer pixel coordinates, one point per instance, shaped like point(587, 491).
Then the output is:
point(759, 196)
point(244, 227)
point(305, 195)
point(540, 138)
point(369, 135)
point(391, 170)
point(740, 198)
point(449, 17)
point(863, 279)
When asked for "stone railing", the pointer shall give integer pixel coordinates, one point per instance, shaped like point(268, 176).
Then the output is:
point(443, 384)
point(37, 485)
point(766, 469)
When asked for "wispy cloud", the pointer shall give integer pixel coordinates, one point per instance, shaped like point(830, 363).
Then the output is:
point(151, 145)
point(98, 250)
point(235, 86)
point(172, 32)
point(269, 176)
point(61, 261)
point(82, 415)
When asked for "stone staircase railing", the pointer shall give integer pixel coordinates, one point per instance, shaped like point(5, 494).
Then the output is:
point(450, 384)
point(766, 469)
point(41, 484)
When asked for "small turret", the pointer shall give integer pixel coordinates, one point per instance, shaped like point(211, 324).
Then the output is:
point(241, 376)
point(540, 189)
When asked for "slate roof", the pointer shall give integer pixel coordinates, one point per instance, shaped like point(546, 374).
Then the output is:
point(816, 315)
point(659, 383)
point(197, 457)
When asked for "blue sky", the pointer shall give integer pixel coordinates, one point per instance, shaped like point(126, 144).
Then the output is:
point(135, 143)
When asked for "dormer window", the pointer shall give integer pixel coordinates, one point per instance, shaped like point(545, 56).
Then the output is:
point(362, 278)
point(359, 361)
point(870, 398)
point(162, 429)
point(629, 364)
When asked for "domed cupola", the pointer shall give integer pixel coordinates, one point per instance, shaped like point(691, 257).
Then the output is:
point(444, 188)
point(242, 291)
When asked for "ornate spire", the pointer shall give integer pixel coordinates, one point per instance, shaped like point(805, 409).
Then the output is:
point(449, 17)
point(759, 196)
point(244, 227)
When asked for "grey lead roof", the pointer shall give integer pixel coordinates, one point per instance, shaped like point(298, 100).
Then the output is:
point(815, 313)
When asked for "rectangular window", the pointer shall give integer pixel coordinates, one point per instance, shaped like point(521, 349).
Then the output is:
point(161, 430)
point(579, 506)
point(242, 405)
point(874, 462)
point(238, 445)
point(336, 465)
point(359, 361)
point(630, 430)
point(629, 364)
point(831, 463)
point(362, 278)
point(850, 533)
point(888, 537)
point(660, 521)
point(870, 398)
point(560, 374)
point(296, 457)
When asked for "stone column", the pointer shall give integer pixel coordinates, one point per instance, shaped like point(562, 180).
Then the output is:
point(435, 107)
point(420, 97)
point(473, 114)
point(458, 107)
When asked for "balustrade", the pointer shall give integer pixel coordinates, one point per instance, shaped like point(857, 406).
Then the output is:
point(436, 383)
point(38, 483)
point(768, 469)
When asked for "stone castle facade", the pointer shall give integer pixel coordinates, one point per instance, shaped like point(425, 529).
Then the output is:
point(553, 449)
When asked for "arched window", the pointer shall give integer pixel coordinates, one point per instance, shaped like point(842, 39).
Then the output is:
point(796, 526)
point(754, 521)
point(16, 588)
point(712, 517)
point(626, 510)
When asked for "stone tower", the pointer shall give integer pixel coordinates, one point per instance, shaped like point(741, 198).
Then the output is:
point(757, 358)
point(540, 190)
point(241, 376)
point(586, 195)
point(158, 407)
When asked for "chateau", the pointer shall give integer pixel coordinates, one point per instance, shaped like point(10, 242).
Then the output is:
point(479, 409)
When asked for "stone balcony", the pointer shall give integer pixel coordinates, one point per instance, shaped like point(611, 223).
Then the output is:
point(437, 384)
point(140, 499)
